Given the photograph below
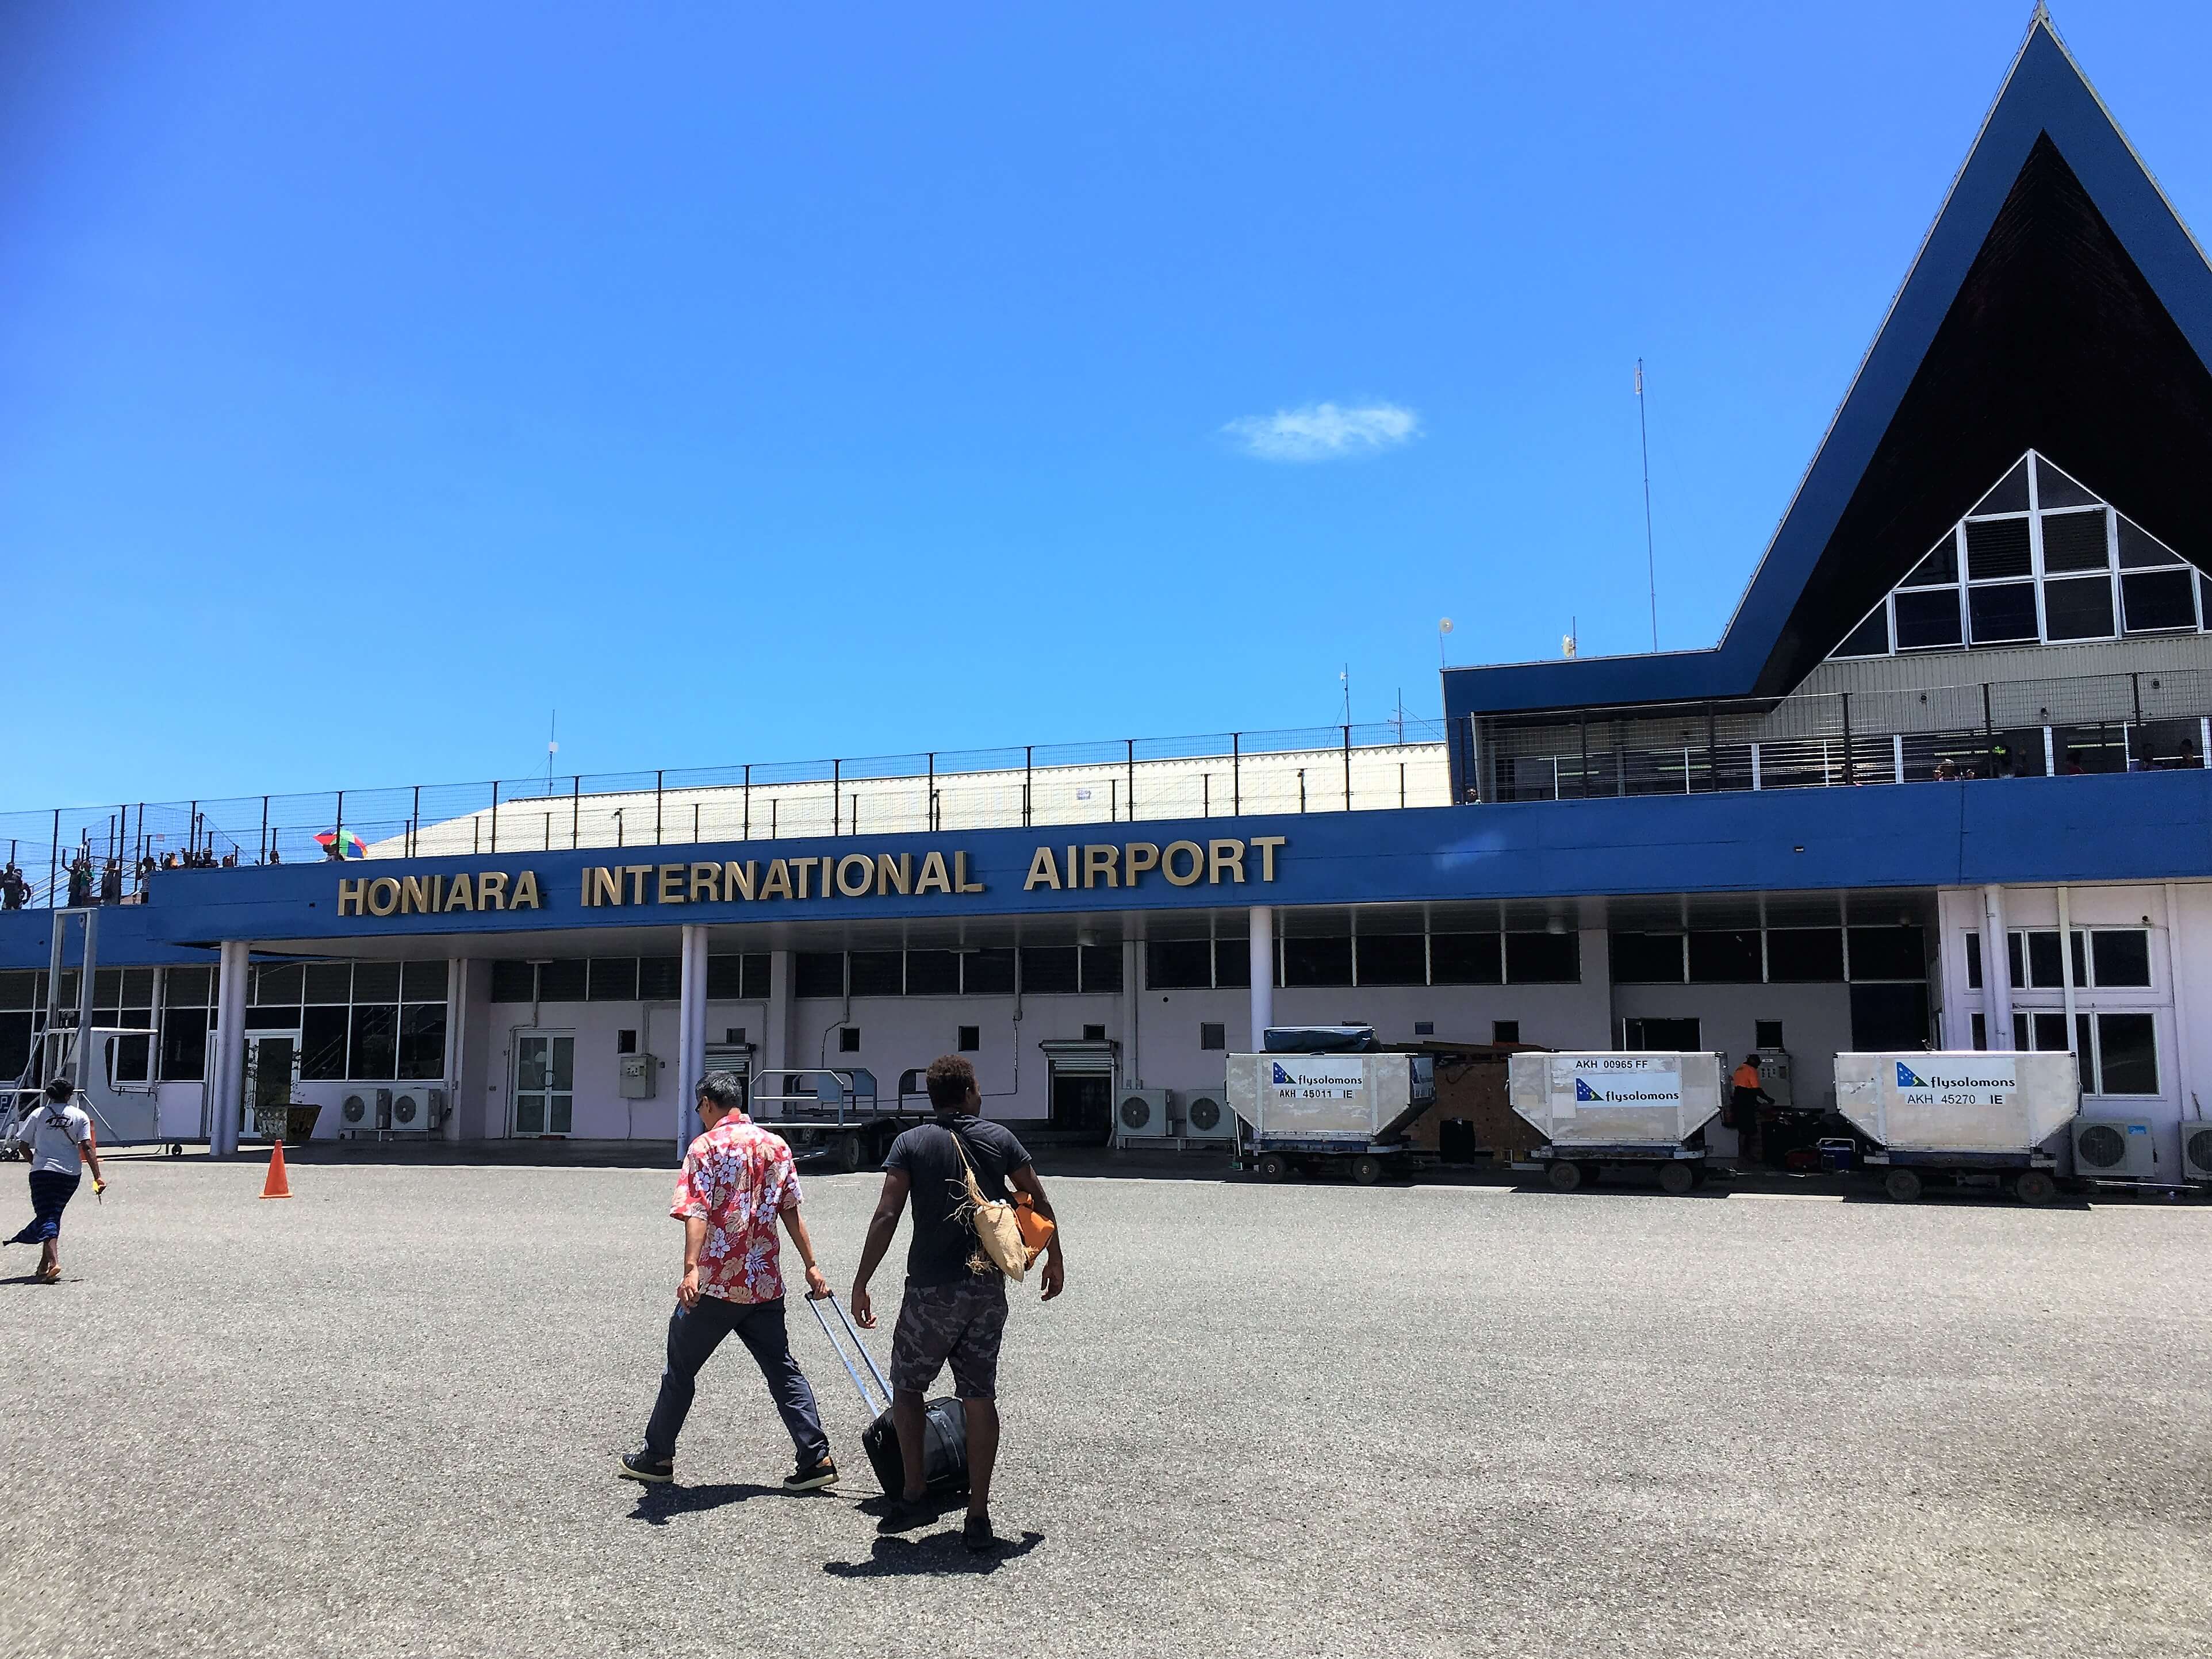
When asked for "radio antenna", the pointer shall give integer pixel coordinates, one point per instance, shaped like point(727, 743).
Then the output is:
point(1650, 559)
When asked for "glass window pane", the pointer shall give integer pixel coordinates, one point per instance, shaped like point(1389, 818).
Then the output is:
point(1646, 959)
point(423, 982)
point(19, 989)
point(2002, 615)
point(1317, 962)
point(2010, 494)
point(1928, 620)
point(660, 979)
point(373, 1051)
point(1543, 958)
point(2140, 550)
point(2019, 1029)
point(1887, 954)
point(1102, 967)
point(1805, 955)
point(1725, 957)
point(1997, 548)
point(1232, 962)
point(1048, 970)
point(564, 1064)
point(2122, 957)
point(529, 1114)
point(16, 1042)
point(1939, 569)
point(2158, 600)
point(1179, 964)
point(376, 982)
point(1465, 959)
point(2079, 609)
point(187, 988)
point(1392, 959)
point(2081, 958)
point(138, 987)
point(1870, 637)
point(530, 1064)
point(323, 1044)
point(512, 982)
point(2129, 1054)
point(725, 978)
point(1973, 960)
point(818, 973)
point(2084, 1053)
point(987, 973)
point(877, 972)
point(2043, 963)
point(2015, 961)
point(932, 973)
point(2075, 540)
point(2053, 488)
point(330, 982)
point(612, 979)
point(423, 1040)
point(279, 985)
point(758, 969)
point(563, 979)
point(184, 1043)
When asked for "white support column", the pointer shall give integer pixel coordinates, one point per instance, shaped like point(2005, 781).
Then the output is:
point(775, 1044)
point(1263, 974)
point(1132, 966)
point(1996, 973)
point(690, 1033)
point(226, 1066)
point(2066, 959)
point(1897, 757)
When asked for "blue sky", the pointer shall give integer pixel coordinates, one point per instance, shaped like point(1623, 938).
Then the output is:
point(756, 384)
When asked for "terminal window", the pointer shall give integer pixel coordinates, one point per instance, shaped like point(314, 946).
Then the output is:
point(971, 1038)
point(848, 1039)
point(1505, 1030)
point(1212, 1036)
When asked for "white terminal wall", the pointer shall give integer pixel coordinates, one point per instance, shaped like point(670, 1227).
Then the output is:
point(2178, 915)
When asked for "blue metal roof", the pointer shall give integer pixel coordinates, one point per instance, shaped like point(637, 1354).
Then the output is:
point(2045, 106)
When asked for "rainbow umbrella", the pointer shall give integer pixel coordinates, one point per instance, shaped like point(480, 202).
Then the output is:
point(349, 844)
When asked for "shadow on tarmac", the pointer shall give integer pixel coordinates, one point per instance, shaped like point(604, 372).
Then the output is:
point(657, 1506)
point(939, 1553)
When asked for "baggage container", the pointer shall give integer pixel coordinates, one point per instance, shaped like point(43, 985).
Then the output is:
point(1344, 1107)
point(1598, 1108)
point(1961, 1117)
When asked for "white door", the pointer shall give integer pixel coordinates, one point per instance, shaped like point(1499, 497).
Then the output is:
point(544, 1082)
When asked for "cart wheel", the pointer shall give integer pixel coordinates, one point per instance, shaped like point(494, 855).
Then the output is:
point(176, 1148)
point(1367, 1169)
point(2034, 1187)
point(1274, 1167)
point(1566, 1176)
point(1676, 1177)
point(1698, 1173)
point(1902, 1186)
point(847, 1155)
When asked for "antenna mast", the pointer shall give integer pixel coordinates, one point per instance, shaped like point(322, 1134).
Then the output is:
point(1650, 559)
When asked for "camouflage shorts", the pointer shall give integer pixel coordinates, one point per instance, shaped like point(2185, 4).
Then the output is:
point(960, 1324)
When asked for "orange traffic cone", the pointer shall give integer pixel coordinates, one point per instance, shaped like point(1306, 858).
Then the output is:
point(277, 1186)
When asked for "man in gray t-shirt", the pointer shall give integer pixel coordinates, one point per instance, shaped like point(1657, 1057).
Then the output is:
point(954, 1310)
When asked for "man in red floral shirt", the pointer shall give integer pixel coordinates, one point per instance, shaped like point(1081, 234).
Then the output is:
point(738, 1183)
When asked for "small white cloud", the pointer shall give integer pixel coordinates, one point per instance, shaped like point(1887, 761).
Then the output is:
point(1324, 431)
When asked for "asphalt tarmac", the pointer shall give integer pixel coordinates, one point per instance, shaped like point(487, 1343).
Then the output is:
point(381, 1419)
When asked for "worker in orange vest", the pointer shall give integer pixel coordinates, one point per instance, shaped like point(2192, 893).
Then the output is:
point(1743, 1108)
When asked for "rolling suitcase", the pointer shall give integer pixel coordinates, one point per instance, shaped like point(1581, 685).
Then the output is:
point(944, 1423)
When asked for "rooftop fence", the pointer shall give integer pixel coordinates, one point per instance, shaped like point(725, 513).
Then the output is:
point(1316, 769)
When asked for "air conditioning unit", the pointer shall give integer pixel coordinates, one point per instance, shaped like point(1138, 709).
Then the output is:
point(1204, 1115)
point(365, 1113)
point(2195, 1149)
point(2115, 1148)
point(1141, 1115)
point(410, 1111)
point(1774, 1075)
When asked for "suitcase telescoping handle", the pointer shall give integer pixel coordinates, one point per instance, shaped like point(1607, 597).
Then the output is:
point(867, 1400)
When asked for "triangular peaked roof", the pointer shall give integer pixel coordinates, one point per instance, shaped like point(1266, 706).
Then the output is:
point(2057, 304)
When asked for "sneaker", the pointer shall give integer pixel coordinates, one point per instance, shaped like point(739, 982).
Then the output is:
point(904, 1515)
point(644, 1466)
point(977, 1534)
point(812, 1477)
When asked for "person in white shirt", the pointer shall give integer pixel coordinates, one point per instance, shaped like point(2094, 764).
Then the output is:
point(60, 1137)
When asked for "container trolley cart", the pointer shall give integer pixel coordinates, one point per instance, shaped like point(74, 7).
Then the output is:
point(65, 1041)
point(1601, 1110)
point(1323, 1098)
point(830, 1112)
point(1960, 1119)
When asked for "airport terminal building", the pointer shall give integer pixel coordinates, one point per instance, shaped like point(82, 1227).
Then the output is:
point(1941, 783)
